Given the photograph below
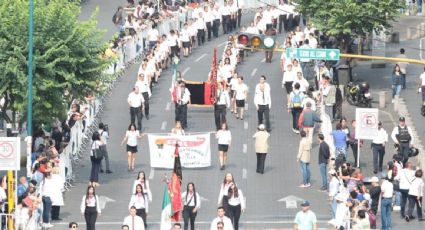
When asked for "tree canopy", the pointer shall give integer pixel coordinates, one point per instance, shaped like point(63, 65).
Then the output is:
point(67, 57)
point(341, 18)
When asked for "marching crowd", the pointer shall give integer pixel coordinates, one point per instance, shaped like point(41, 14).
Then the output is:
point(309, 85)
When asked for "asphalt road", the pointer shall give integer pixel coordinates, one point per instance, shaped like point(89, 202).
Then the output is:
point(282, 175)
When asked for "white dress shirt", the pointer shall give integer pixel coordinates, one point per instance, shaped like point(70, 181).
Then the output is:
point(91, 202)
point(135, 100)
point(241, 91)
point(139, 201)
point(223, 98)
point(146, 188)
point(183, 97)
point(191, 200)
point(262, 98)
point(226, 221)
point(134, 222)
point(417, 187)
point(289, 76)
point(406, 177)
point(208, 16)
point(303, 84)
point(381, 137)
point(224, 137)
point(143, 87)
point(224, 190)
point(266, 87)
point(200, 24)
point(240, 200)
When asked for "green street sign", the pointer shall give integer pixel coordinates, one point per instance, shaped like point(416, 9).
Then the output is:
point(317, 54)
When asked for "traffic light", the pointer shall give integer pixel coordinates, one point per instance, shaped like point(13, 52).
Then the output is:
point(257, 41)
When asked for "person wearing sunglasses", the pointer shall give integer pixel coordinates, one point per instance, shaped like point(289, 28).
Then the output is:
point(73, 225)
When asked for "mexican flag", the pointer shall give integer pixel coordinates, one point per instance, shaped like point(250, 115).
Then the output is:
point(167, 211)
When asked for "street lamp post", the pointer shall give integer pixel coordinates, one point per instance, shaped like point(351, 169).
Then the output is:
point(29, 96)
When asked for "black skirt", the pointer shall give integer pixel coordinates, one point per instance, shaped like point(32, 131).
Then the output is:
point(240, 103)
point(223, 148)
point(132, 149)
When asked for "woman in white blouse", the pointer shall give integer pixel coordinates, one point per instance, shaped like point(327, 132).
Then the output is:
point(236, 204)
point(95, 162)
point(191, 204)
point(416, 192)
point(141, 179)
point(224, 138)
point(90, 208)
point(223, 199)
point(130, 138)
point(139, 200)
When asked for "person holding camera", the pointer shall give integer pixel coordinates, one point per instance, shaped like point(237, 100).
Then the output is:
point(403, 138)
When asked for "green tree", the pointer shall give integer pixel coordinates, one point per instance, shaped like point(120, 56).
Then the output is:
point(67, 57)
point(341, 18)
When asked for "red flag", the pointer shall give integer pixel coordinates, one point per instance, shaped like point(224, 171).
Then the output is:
point(175, 186)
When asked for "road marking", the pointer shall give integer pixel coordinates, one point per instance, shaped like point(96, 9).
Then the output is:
point(254, 71)
point(152, 173)
point(103, 200)
point(221, 44)
point(246, 106)
point(199, 58)
point(244, 148)
point(203, 198)
point(245, 125)
point(264, 60)
point(163, 125)
point(167, 107)
point(203, 222)
point(185, 70)
point(244, 173)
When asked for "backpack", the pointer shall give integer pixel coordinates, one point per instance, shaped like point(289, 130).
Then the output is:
point(296, 100)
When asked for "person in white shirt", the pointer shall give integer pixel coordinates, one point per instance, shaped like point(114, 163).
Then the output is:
point(133, 221)
point(224, 139)
point(183, 99)
point(263, 103)
point(153, 37)
point(97, 144)
point(142, 84)
point(386, 203)
point(216, 14)
point(378, 148)
point(141, 180)
point(221, 219)
point(208, 17)
point(130, 139)
point(302, 81)
point(416, 192)
point(140, 201)
point(173, 43)
point(201, 27)
point(233, 15)
point(268, 17)
point(233, 84)
point(252, 29)
point(225, 18)
point(185, 39)
point(403, 67)
point(236, 204)
point(90, 208)
point(421, 87)
point(289, 75)
point(135, 101)
point(312, 41)
point(405, 178)
point(47, 190)
point(222, 103)
point(241, 93)
point(191, 204)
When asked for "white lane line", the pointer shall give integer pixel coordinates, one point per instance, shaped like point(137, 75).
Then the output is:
point(185, 70)
point(245, 125)
point(221, 44)
point(199, 58)
point(244, 148)
point(163, 125)
point(254, 71)
point(200, 222)
point(152, 173)
point(167, 107)
point(244, 173)
point(264, 60)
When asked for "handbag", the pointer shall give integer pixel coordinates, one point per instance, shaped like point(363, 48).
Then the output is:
point(98, 153)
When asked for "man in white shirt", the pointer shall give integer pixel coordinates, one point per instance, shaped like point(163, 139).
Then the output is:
point(143, 84)
point(268, 17)
point(263, 103)
point(173, 42)
point(302, 81)
point(378, 148)
point(283, 12)
point(225, 17)
point(183, 99)
point(402, 135)
point(421, 87)
point(221, 105)
point(153, 36)
point(241, 92)
point(133, 221)
point(223, 219)
point(201, 26)
point(216, 14)
point(208, 17)
point(135, 101)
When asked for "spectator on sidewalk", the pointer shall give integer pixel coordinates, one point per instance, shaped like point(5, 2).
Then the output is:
point(406, 176)
point(329, 96)
point(421, 88)
point(397, 81)
point(304, 152)
point(416, 192)
point(386, 203)
point(324, 155)
point(403, 65)
point(307, 120)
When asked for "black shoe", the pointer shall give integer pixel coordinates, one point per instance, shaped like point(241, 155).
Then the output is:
point(375, 172)
point(421, 219)
point(108, 171)
point(222, 167)
point(56, 219)
point(412, 217)
point(101, 171)
point(147, 117)
point(407, 218)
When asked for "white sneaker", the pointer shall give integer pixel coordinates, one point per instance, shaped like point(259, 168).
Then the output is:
point(396, 208)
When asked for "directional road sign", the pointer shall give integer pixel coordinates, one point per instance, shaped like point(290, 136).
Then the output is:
point(317, 54)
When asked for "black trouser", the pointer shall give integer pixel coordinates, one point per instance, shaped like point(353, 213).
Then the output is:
point(355, 148)
point(95, 167)
point(296, 112)
point(290, 22)
point(136, 112)
point(142, 213)
point(189, 215)
point(296, 21)
point(239, 17)
point(181, 114)
point(282, 23)
point(174, 51)
point(275, 21)
point(209, 30)
point(232, 23)
point(263, 110)
point(201, 37)
point(90, 215)
point(261, 160)
point(404, 149)
point(269, 55)
point(403, 201)
point(225, 21)
point(146, 97)
point(226, 205)
point(55, 212)
point(219, 115)
point(235, 214)
point(413, 201)
point(378, 156)
point(215, 26)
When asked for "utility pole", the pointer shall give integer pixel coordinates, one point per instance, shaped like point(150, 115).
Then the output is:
point(29, 91)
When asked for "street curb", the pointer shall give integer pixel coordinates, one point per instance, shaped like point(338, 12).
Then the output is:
point(403, 111)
